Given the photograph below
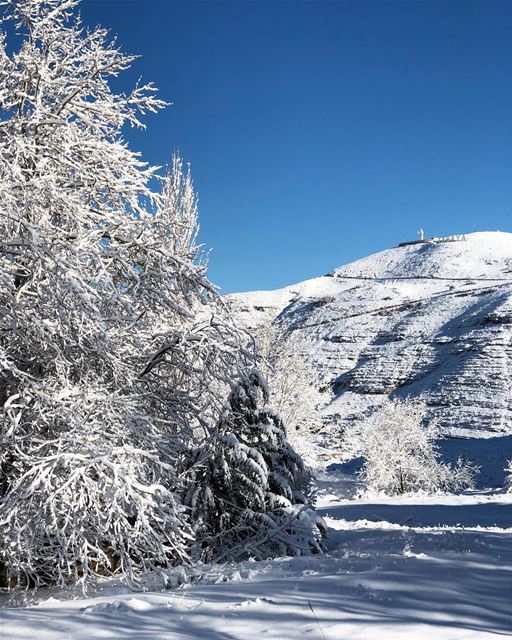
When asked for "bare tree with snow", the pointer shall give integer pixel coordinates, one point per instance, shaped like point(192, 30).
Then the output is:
point(508, 476)
point(116, 351)
point(401, 455)
point(294, 386)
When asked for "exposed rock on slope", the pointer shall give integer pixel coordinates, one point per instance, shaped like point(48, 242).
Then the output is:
point(432, 319)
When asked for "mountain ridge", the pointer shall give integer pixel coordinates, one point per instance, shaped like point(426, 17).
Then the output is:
point(431, 319)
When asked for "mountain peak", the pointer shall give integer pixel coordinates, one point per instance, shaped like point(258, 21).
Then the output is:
point(485, 254)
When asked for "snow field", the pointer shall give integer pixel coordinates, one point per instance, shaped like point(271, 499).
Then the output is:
point(415, 567)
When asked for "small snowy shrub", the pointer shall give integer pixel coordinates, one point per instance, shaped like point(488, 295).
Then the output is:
point(401, 454)
point(249, 495)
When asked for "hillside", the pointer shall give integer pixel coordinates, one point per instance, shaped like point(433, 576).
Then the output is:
point(432, 319)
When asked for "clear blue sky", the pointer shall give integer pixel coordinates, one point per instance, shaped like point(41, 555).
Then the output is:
point(319, 132)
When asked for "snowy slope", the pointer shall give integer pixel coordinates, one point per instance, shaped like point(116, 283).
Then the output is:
point(432, 319)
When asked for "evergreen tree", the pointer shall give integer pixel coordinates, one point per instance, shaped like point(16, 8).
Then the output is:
point(249, 497)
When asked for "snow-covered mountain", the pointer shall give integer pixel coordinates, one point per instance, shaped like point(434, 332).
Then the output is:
point(431, 318)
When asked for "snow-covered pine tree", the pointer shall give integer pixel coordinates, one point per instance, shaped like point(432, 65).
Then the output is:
point(113, 345)
point(249, 495)
point(401, 454)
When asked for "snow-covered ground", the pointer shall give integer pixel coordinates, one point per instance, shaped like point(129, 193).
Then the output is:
point(412, 568)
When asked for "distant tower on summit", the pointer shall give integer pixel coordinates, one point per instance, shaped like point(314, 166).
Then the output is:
point(421, 234)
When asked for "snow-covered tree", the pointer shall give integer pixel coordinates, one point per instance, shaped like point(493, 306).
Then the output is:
point(294, 386)
point(401, 454)
point(117, 352)
point(249, 497)
point(115, 348)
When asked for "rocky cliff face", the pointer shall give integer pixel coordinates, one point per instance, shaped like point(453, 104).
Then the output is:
point(431, 319)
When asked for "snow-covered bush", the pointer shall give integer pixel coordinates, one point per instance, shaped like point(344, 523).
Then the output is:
point(401, 454)
point(249, 496)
